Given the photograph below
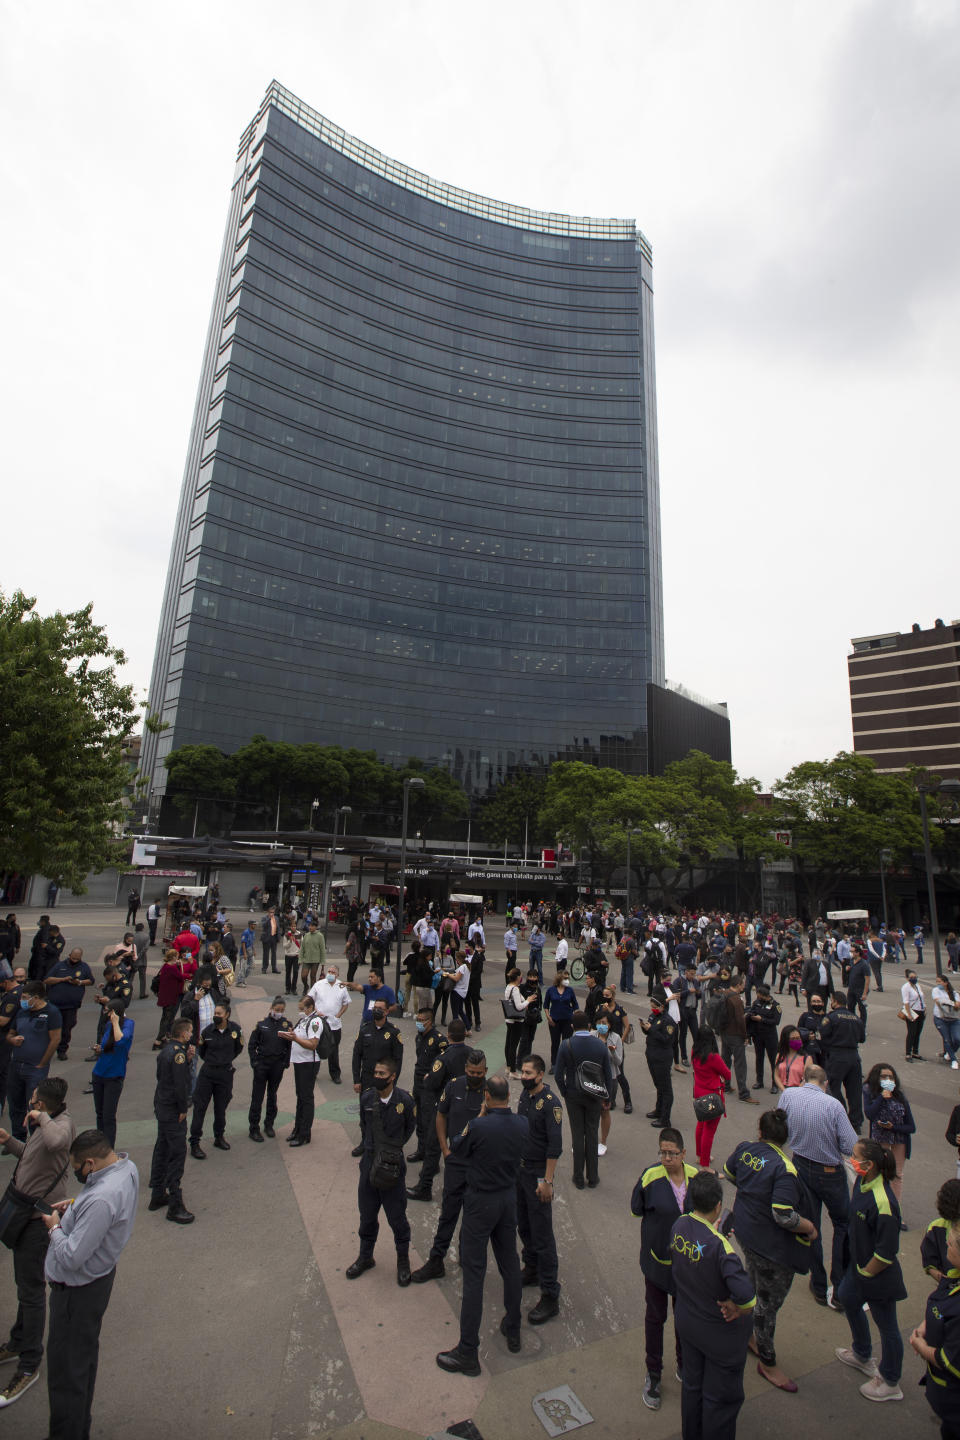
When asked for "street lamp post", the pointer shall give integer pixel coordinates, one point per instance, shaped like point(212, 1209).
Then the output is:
point(412, 782)
point(761, 861)
point(885, 857)
point(328, 878)
point(630, 834)
point(929, 787)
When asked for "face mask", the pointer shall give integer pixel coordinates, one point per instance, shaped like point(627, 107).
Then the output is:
point(331, 979)
point(859, 1166)
point(602, 1029)
point(796, 1043)
point(79, 1176)
point(24, 1004)
point(528, 1084)
point(379, 1016)
point(888, 1085)
point(276, 1014)
point(421, 1026)
point(382, 1082)
point(474, 1082)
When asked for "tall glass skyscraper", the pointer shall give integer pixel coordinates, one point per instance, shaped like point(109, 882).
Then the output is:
point(420, 509)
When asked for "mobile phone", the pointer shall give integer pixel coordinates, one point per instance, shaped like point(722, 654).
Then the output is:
point(725, 1223)
point(43, 1207)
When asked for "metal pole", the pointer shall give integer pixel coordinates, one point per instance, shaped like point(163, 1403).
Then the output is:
point(629, 873)
point(760, 864)
point(526, 836)
point(402, 883)
point(329, 875)
point(931, 892)
point(883, 889)
point(196, 811)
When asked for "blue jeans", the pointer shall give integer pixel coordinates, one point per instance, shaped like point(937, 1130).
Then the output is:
point(829, 1190)
point(536, 960)
point(884, 1314)
point(626, 975)
point(950, 1035)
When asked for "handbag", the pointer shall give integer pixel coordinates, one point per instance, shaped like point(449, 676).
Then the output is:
point(903, 1014)
point(511, 1011)
point(17, 1209)
point(708, 1107)
point(388, 1165)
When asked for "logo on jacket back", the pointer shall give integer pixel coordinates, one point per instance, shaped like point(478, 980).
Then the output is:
point(690, 1249)
point(753, 1162)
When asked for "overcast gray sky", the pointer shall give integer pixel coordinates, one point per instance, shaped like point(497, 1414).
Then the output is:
point(796, 167)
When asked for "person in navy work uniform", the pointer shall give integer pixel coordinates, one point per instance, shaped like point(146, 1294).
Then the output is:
point(714, 1315)
point(220, 1044)
point(450, 1064)
point(387, 1111)
point(269, 1057)
point(661, 1033)
point(937, 1341)
point(460, 1103)
point(171, 1101)
point(430, 1046)
point(65, 983)
point(774, 1236)
point(544, 1114)
point(491, 1148)
point(659, 1197)
point(873, 1275)
point(376, 1040)
point(933, 1246)
point(36, 1034)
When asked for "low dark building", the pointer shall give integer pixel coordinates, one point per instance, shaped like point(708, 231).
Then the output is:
point(679, 722)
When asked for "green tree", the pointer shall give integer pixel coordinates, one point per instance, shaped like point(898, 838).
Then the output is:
point(266, 772)
point(64, 720)
point(512, 812)
point(198, 775)
point(441, 798)
point(582, 806)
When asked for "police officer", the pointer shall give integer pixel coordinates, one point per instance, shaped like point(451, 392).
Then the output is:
point(763, 1018)
point(840, 1036)
point(491, 1148)
point(430, 1046)
point(809, 1025)
point(659, 1197)
point(660, 1031)
point(10, 991)
point(376, 1040)
point(460, 1103)
point(220, 1044)
point(714, 1314)
point(448, 1066)
point(114, 994)
point(65, 983)
point(171, 1101)
point(543, 1113)
point(619, 1023)
point(387, 1116)
point(269, 1057)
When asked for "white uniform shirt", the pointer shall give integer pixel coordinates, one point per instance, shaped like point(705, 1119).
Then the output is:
point(912, 997)
point(329, 1001)
point(311, 1028)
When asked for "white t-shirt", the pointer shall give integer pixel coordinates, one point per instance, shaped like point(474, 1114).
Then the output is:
point(463, 979)
point(329, 1001)
point(943, 1007)
point(311, 1028)
point(563, 949)
point(912, 997)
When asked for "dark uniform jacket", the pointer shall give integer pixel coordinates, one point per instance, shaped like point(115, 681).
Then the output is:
point(265, 1046)
point(173, 1080)
point(572, 1052)
point(660, 1038)
point(874, 1230)
point(118, 992)
point(841, 1031)
point(460, 1105)
point(654, 1201)
point(67, 996)
point(219, 1048)
point(491, 1147)
point(763, 1013)
point(373, 1044)
point(933, 1249)
point(768, 1191)
point(9, 1010)
point(448, 1066)
point(544, 1115)
point(942, 1331)
point(398, 1114)
point(809, 1026)
point(617, 1019)
point(707, 1269)
point(430, 1046)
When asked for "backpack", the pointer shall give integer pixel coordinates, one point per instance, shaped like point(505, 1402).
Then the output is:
point(715, 1011)
point(589, 1081)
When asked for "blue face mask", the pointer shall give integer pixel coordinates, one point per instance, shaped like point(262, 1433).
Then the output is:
point(602, 1029)
point(420, 1026)
point(24, 1004)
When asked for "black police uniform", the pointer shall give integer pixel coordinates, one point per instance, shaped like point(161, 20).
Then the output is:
point(430, 1046)
point(840, 1035)
point(763, 1017)
point(654, 1200)
point(942, 1380)
point(660, 1038)
point(9, 1010)
point(217, 1049)
point(269, 1057)
point(171, 1099)
point(490, 1148)
point(809, 1026)
point(448, 1066)
point(118, 993)
point(399, 1120)
point(706, 1269)
point(544, 1116)
point(459, 1104)
point(619, 1022)
point(66, 996)
point(375, 1043)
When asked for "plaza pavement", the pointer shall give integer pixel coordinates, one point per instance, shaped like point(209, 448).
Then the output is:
point(244, 1326)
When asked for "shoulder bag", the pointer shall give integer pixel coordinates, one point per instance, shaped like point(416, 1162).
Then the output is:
point(17, 1209)
point(387, 1168)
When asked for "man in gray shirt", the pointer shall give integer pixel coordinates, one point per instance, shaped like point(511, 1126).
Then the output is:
point(87, 1237)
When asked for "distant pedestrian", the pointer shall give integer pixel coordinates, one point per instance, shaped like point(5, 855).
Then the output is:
point(153, 920)
point(133, 905)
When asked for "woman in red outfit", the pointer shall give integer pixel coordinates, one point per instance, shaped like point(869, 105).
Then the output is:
point(710, 1076)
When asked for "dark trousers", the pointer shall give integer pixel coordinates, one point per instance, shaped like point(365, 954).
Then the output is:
point(6, 1055)
point(418, 1100)
point(626, 975)
point(655, 1318)
point(76, 1314)
point(844, 1073)
point(855, 1003)
point(454, 1189)
point(69, 1020)
point(877, 967)
point(167, 1016)
point(268, 953)
point(291, 969)
point(393, 1203)
point(106, 1098)
point(733, 1053)
point(712, 1394)
point(142, 972)
point(459, 1005)
point(473, 1002)
point(623, 1084)
point(431, 1144)
point(152, 927)
point(559, 1030)
point(765, 1044)
point(215, 1085)
point(535, 1224)
point(304, 1082)
point(333, 1059)
point(266, 1081)
point(689, 1025)
point(169, 1154)
point(488, 1217)
point(828, 1187)
point(914, 1028)
point(29, 1253)
point(21, 1083)
point(771, 1284)
point(511, 1044)
point(528, 1038)
point(661, 1076)
point(584, 1116)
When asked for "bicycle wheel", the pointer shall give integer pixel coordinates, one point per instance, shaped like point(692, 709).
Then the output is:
point(577, 968)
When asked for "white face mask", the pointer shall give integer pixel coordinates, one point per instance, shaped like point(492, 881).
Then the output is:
point(331, 978)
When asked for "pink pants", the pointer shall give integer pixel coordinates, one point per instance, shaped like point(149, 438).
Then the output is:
point(706, 1129)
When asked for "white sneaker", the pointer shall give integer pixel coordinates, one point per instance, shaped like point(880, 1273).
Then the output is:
point(878, 1389)
point(954, 1065)
point(601, 1149)
point(866, 1367)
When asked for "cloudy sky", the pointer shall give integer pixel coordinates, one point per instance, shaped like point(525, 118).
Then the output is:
point(796, 167)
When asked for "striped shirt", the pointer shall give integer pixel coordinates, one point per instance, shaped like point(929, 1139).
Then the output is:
point(818, 1128)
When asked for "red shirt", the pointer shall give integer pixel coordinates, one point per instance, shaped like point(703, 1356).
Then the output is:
point(186, 940)
point(709, 1077)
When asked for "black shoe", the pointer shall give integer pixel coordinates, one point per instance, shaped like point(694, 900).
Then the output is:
point(357, 1150)
point(432, 1269)
point(158, 1202)
point(89, 1059)
point(578, 1183)
point(511, 1336)
point(89, 1091)
point(403, 1271)
point(362, 1262)
point(221, 1144)
point(457, 1363)
point(335, 1080)
point(529, 1275)
point(592, 1184)
point(651, 1114)
point(628, 1108)
point(179, 1213)
point(416, 1157)
point(270, 1132)
point(651, 1392)
point(774, 1090)
point(420, 1192)
point(820, 1299)
point(659, 1124)
point(196, 1152)
point(295, 1142)
point(255, 1135)
point(758, 1085)
point(545, 1309)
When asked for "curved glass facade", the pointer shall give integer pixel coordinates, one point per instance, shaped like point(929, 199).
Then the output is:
point(420, 509)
